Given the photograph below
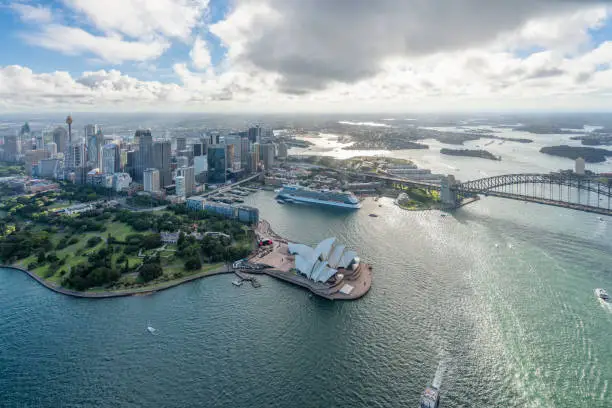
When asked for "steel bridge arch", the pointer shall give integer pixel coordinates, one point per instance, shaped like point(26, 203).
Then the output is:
point(489, 184)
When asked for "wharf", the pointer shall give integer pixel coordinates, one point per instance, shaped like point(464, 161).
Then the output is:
point(244, 277)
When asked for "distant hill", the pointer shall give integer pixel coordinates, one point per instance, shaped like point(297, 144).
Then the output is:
point(483, 154)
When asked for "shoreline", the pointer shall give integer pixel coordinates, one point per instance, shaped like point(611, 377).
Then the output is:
point(115, 294)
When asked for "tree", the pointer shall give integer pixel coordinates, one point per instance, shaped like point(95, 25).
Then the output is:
point(93, 241)
point(40, 259)
point(150, 271)
point(181, 240)
point(193, 264)
point(151, 241)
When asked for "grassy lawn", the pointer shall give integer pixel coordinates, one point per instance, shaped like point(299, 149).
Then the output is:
point(118, 230)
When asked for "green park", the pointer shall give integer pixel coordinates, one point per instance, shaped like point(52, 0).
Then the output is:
point(109, 249)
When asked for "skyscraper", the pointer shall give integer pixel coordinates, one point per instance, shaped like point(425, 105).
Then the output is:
point(189, 179)
point(230, 157)
point(282, 151)
point(162, 152)
point(216, 164)
point(144, 156)
point(151, 180)
point(51, 147)
point(234, 140)
point(60, 138)
point(179, 181)
point(244, 151)
point(111, 159)
point(254, 134)
point(268, 155)
point(11, 148)
point(197, 149)
point(181, 143)
point(93, 138)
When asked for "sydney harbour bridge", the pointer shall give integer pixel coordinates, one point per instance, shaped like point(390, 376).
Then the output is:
point(590, 193)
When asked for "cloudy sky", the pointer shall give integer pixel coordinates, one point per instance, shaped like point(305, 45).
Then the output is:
point(305, 55)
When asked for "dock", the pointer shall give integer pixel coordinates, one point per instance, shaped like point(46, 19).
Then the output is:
point(244, 277)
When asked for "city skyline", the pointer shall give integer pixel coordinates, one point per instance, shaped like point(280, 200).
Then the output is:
point(265, 56)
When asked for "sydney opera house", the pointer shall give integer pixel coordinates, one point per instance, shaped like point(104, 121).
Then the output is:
point(329, 262)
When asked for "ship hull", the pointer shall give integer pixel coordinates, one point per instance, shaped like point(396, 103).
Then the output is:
point(314, 201)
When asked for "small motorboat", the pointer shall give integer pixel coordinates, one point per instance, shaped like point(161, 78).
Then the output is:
point(430, 398)
point(600, 218)
point(237, 282)
point(602, 294)
point(443, 215)
point(151, 329)
point(281, 201)
point(373, 215)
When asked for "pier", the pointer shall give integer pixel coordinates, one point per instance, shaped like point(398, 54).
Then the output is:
point(244, 277)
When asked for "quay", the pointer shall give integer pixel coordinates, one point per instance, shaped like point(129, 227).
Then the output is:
point(353, 285)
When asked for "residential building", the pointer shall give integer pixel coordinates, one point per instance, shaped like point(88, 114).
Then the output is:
point(179, 182)
point(151, 180)
point(230, 157)
point(182, 161)
point(12, 148)
point(188, 175)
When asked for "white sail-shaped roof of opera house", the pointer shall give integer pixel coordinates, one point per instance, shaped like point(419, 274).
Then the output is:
point(321, 263)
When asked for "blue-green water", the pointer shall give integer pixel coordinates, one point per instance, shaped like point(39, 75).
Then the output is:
point(514, 324)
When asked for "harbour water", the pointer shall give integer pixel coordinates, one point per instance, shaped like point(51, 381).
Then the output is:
point(500, 292)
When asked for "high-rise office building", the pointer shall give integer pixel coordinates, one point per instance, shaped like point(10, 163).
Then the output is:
point(244, 151)
point(230, 157)
point(162, 153)
point(188, 174)
point(268, 151)
point(254, 134)
point(181, 143)
point(256, 148)
point(179, 181)
point(234, 140)
point(60, 138)
point(217, 164)
point(282, 151)
point(144, 156)
point(130, 163)
point(198, 149)
point(111, 159)
point(94, 145)
point(151, 180)
point(253, 164)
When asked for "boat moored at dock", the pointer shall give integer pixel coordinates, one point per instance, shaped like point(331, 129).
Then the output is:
point(305, 195)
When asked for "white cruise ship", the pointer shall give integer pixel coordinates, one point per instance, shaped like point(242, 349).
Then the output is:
point(334, 198)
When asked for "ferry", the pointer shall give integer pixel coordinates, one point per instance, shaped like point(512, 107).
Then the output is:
point(304, 195)
point(602, 295)
point(430, 398)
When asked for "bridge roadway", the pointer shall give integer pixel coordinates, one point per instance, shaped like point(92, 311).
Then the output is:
point(230, 186)
point(487, 186)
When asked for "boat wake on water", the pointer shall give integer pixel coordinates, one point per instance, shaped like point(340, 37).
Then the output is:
point(437, 381)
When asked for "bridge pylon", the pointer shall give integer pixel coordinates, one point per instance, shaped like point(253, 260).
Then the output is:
point(448, 194)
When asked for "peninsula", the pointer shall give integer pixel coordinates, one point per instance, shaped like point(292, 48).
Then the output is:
point(589, 154)
point(96, 248)
point(483, 154)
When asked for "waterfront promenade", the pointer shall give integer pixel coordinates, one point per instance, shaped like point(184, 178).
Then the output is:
point(119, 293)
